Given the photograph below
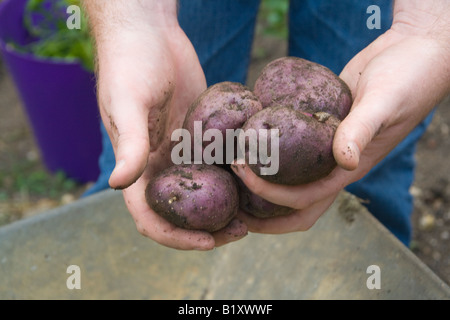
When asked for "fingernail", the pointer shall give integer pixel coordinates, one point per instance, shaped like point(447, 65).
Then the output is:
point(238, 169)
point(117, 168)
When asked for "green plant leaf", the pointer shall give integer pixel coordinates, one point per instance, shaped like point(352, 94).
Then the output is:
point(46, 20)
point(274, 17)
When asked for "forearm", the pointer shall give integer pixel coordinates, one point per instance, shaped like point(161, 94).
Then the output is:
point(118, 27)
point(423, 18)
point(428, 23)
point(107, 17)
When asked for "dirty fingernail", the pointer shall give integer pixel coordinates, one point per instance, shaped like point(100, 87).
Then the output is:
point(238, 169)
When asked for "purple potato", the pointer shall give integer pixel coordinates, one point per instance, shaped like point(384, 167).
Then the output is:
point(196, 197)
point(305, 150)
point(303, 85)
point(225, 105)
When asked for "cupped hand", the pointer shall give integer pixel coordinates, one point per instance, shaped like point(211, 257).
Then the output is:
point(395, 82)
point(147, 78)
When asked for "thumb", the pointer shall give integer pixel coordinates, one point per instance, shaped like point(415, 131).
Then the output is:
point(128, 129)
point(357, 130)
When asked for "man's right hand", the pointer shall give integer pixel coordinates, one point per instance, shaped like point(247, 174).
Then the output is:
point(148, 75)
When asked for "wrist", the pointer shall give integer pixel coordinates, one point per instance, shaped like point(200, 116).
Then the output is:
point(119, 27)
point(107, 19)
point(422, 18)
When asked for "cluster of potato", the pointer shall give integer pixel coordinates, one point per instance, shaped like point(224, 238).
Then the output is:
point(303, 100)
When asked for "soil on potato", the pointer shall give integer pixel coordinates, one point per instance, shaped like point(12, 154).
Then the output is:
point(431, 217)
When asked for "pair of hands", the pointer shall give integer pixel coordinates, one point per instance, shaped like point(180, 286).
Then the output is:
point(148, 76)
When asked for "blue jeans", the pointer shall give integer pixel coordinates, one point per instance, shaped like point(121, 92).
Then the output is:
point(325, 31)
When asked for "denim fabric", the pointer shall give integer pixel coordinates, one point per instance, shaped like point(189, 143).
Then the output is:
point(106, 163)
point(325, 31)
point(332, 32)
point(221, 32)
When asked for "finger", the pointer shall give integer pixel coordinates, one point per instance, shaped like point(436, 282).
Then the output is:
point(155, 227)
point(368, 117)
point(300, 220)
point(234, 231)
point(372, 102)
point(297, 197)
point(128, 130)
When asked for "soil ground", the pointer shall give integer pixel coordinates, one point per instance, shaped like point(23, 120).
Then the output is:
point(26, 188)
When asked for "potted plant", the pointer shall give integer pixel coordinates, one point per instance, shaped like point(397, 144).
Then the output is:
point(52, 68)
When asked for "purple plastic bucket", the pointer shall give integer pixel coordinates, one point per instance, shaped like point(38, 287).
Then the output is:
point(59, 98)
